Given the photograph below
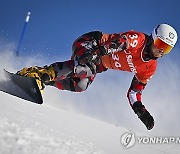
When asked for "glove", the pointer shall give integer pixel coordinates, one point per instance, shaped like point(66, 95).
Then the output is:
point(87, 57)
point(143, 115)
point(115, 45)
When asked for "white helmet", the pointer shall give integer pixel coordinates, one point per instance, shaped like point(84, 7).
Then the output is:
point(165, 37)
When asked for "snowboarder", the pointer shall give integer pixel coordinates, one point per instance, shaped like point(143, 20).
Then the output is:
point(96, 52)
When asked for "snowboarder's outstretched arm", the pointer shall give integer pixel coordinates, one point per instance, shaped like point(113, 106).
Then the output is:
point(134, 97)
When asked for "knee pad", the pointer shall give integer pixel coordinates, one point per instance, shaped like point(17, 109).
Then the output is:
point(83, 71)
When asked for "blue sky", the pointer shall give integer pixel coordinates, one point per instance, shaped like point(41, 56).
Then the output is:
point(55, 24)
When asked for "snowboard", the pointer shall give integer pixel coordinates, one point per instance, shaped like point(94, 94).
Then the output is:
point(23, 87)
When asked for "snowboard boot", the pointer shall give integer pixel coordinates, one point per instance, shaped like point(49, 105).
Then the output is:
point(143, 114)
point(42, 75)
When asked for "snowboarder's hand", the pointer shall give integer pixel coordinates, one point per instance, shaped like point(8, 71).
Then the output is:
point(116, 45)
point(148, 120)
point(143, 115)
point(85, 58)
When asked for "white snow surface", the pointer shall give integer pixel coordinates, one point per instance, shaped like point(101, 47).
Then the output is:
point(27, 128)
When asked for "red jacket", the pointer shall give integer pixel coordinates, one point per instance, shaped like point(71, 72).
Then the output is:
point(130, 59)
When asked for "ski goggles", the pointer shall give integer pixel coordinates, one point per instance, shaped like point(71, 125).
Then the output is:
point(161, 45)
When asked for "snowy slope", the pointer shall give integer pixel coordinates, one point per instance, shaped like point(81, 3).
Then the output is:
point(27, 128)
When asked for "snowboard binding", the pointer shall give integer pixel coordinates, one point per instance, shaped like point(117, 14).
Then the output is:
point(42, 75)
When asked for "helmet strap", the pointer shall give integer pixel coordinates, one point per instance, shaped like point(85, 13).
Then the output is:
point(147, 55)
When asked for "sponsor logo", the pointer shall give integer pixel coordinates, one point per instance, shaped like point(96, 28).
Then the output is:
point(130, 61)
point(171, 35)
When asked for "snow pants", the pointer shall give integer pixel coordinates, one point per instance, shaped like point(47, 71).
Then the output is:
point(79, 72)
